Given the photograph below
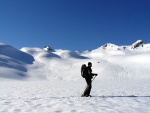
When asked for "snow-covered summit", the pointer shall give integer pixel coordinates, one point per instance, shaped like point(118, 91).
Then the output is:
point(48, 48)
point(108, 46)
point(138, 43)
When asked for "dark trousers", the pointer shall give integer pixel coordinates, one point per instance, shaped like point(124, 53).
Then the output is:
point(88, 87)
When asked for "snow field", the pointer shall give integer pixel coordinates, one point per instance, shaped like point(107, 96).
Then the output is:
point(60, 96)
point(34, 80)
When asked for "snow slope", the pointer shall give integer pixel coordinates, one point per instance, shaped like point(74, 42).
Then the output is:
point(13, 62)
point(121, 62)
point(34, 80)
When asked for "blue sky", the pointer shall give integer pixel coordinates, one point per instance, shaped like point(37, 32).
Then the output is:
point(73, 24)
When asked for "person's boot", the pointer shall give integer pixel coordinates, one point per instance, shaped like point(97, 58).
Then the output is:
point(90, 96)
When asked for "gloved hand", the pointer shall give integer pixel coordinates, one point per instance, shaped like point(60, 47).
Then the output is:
point(96, 74)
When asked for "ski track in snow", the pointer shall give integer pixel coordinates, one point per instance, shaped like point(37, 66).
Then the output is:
point(121, 96)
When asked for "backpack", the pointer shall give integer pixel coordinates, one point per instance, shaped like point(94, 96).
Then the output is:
point(83, 67)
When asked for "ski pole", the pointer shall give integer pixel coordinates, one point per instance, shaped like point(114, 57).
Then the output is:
point(93, 79)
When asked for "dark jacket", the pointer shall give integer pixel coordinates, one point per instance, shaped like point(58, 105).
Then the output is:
point(87, 72)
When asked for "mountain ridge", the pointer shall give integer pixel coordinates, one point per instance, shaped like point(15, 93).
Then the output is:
point(121, 62)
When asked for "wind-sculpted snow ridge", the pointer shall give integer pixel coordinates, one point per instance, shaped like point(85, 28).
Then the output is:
point(13, 63)
point(14, 53)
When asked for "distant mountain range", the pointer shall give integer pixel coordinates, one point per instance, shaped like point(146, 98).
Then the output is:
point(109, 61)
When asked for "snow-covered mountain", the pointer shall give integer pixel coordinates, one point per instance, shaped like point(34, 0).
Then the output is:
point(47, 80)
point(43, 64)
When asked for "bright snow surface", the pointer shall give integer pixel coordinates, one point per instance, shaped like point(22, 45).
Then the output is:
point(33, 80)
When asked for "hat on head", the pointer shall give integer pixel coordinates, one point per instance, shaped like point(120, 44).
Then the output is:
point(89, 63)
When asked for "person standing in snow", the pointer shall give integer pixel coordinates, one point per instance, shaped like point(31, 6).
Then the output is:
point(88, 75)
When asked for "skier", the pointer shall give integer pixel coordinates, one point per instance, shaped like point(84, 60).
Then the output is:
point(88, 75)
